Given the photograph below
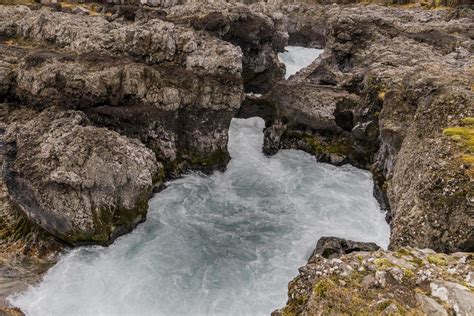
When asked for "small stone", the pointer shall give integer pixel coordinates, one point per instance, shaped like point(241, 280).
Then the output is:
point(430, 306)
point(396, 273)
point(381, 278)
point(368, 281)
point(390, 310)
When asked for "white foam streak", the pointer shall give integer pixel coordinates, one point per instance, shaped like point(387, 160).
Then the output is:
point(227, 244)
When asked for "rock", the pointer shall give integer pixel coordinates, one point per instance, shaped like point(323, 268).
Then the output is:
point(334, 247)
point(459, 297)
point(176, 94)
point(80, 11)
point(314, 107)
point(379, 97)
point(254, 32)
point(429, 305)
point(10, 311)
point(381, 283)
point(80, 183)
point(390, 310)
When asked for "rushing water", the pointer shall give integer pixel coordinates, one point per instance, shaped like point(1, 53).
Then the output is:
point(296, 58)
point(226, 244)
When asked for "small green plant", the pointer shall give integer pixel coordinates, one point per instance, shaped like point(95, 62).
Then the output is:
point(464, 136)
point(403, 252)
point(383, 263)
point(322, 287)
point(407, 273)
point(437, 259)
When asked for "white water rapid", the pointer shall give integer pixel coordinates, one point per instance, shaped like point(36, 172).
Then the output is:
point(296, 58)
point(226, 244)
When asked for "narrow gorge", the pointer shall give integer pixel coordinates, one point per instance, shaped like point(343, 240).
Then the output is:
point(225, 158)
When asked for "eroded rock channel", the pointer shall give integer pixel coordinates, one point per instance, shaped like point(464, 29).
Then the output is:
point(104, 104)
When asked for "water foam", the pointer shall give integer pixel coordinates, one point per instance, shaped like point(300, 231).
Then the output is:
point(296, 58)
point(227, 244)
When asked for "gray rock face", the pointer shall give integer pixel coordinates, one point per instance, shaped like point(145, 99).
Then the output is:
point(456, 295)
point(399, 77)
point(76, 181)
point(256, 33)
point(173, 88)
point(154, 41)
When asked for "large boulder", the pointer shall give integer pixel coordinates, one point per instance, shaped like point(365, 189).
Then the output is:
point(80, 183)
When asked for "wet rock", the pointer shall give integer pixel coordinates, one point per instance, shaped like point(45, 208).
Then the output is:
point(334, 247)
point(80, 183)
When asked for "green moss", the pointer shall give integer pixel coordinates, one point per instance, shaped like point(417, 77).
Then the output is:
point(383, 263)
point(417, 261)
point(383, 305)
point(332, 145)
point(106, 221)
point(468, 120)
point(349, 299)
point(288, 312)
point(194, 161)
point(403, 252)
point(323, 287)
point(464, 136)
point(407, 273)
point(215, 158)
point(437, 259)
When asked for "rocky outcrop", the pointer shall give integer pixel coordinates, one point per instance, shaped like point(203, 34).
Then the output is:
point(383, 283)
point(77, 182)
point(104, 104)
point(99, 109)
point(257, 35)
point(388, 83)
point(168, 86)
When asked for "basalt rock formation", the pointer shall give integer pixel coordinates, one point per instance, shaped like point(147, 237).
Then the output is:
point(257, 35)
point(389, 82)
point(334, 247)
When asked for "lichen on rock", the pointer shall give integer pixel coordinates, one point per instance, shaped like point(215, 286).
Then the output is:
point(383, 283)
